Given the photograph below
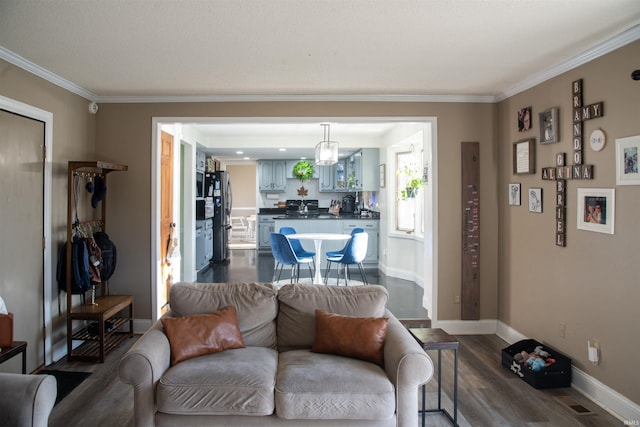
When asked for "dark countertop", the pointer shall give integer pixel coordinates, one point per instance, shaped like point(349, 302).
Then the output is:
point(326, 216)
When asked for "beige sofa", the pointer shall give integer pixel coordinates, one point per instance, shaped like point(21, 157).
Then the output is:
point(276, 379)
point(26, 400)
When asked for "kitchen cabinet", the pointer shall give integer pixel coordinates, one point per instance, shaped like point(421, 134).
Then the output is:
point(333, 178)
point(272, 176)
point(363, 170)
point(326, 179)
point(265, 228)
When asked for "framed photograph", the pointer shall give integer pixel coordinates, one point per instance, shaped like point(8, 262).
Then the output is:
point(535, 200)
point(524, 119)
point(627, 150)
point(524, 156)
point(514, 194)
point(596, 209)
point(549, 126)
point(383, 175)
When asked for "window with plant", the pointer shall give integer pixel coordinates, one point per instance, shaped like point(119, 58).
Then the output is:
point(409, 193)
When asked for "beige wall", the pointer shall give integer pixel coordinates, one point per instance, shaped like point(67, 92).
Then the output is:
point(124, 135)
point(243, 182)
point(73, 139)
point(593, 284)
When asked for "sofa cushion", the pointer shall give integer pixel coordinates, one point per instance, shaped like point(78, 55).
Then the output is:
point(192, 336)
point(359, 337)
point(298, 303)
point(325, 386)
point(234, 382)
point(255, 303)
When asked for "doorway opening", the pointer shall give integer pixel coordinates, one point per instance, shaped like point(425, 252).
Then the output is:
point(185, 214)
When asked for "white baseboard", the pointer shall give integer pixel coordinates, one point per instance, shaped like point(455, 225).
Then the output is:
point(609, 399)
point(466, 327)
point(604, 396)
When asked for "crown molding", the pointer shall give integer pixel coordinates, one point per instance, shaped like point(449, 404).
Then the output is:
point(45, 74)
point(622, 39)
point(297, 98)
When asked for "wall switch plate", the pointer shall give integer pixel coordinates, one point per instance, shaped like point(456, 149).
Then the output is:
point(593, 352)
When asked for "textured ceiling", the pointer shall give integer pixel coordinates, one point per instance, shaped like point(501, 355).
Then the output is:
point(191, 48)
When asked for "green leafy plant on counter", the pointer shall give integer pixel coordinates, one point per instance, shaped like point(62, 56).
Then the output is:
point(413, 182)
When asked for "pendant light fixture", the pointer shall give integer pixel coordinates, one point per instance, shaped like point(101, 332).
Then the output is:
point(326, 151)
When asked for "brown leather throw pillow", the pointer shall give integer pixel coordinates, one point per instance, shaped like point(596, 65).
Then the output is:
point(200, 334)
point(357, 337)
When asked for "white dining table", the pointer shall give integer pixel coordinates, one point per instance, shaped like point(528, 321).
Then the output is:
point(317, 242)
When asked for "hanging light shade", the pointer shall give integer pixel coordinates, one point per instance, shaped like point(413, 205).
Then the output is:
point(326, 151)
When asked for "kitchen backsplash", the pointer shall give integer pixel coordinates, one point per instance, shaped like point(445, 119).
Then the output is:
point(369, 198)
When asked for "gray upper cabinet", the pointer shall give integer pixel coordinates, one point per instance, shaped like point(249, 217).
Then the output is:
point(358, 172)
point(272, 175)
point(326, 182)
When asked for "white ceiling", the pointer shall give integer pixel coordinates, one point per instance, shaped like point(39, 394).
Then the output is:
point(221, 50)
point(162, 48)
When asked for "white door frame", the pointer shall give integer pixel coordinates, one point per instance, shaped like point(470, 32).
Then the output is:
point(46, 117)
point(430, 208)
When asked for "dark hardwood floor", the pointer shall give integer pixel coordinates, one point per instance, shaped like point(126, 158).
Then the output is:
point(489, 395)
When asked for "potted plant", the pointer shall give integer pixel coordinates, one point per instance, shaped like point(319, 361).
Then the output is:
point(412, 182)
point(303, 170)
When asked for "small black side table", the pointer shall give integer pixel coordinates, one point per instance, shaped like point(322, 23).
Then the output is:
point(437, 339)
point(17, 347)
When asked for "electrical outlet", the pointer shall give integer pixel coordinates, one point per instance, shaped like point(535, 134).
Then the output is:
point(456, 299)
point(562, 330)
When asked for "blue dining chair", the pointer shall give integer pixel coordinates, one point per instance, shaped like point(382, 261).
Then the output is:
point(341, 251)
point(300, 251)
point(284, 254)
point(355, 252)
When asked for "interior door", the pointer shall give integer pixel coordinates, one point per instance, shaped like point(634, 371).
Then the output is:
point(166, 216)
point(21, 233)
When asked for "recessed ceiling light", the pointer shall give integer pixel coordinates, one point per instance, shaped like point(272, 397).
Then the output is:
point(239, 152)
point(246, 158)
point(282, 149)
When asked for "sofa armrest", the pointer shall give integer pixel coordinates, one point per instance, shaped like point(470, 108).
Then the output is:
point(407, 365)
point(142, 367)
point(26, 400)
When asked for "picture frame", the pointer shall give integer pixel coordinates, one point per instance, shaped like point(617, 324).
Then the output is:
point(549, 121)
point(383, 175)
point(627, 158)
point(596, 209)
point(524, 157)
point(515, 198)
point(525, 119)
point(535, 200)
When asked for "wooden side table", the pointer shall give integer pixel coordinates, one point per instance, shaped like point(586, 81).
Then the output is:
point(17, 347)
point(437, 339)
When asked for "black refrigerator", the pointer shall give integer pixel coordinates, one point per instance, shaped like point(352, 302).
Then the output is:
point(219, 186)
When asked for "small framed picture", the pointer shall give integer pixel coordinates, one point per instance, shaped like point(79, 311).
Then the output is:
point(535, 200)
point(524, 119)
point(514, 194)
point(596, 209)
point(524, 156)
point(549, 126)
point(627, 168)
